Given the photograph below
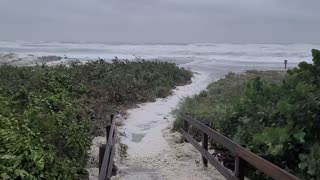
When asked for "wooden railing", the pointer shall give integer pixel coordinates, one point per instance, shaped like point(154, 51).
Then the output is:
point(107, 151)
point(242, 155)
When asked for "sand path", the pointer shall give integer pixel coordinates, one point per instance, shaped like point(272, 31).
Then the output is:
point(154, 151)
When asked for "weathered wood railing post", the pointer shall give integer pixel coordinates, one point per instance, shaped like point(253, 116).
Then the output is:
point(185, 127)
point(204, 141)
point(112, 153)
point(108, 128)
point(102, 149)
point(239, 168)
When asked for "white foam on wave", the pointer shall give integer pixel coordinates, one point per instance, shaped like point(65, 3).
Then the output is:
point(205, 53)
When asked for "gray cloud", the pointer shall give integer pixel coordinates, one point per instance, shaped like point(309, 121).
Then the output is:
point(217, 21)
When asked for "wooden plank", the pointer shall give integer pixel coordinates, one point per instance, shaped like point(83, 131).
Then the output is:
point(102, 149)
point(265, 166)
point(108, 157)
point(239, 168)
point(210, 132)
point(204, 142)
point(103, 172)
point(224, 171)
point(108, 128)
point(186, 126)
point(110, 136)
point(110, 166)
point(111, 116)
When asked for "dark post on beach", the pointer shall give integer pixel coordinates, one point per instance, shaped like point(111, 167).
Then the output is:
point(285, 64)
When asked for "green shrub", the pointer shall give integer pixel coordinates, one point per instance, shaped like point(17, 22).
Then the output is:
point(212, 105)
point(49, 115)
point(280, 122)
point(276, 118)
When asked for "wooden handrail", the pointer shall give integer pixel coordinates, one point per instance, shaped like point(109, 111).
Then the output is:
point(224, 171)
point(242, 155)
point(106, 151)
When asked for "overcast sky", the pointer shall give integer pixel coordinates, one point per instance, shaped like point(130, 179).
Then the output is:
point(162, 21)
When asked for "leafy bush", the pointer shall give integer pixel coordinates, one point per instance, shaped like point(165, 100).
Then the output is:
point(281, 122)
point(277, 120)
point(42, 137)
point(48, 115)
point(210, 106)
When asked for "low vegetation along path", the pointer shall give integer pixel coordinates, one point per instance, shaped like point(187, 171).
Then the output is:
point(154, 151)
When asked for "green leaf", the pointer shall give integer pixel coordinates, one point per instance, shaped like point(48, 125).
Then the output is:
point(272, 135)
point(276, 150)
point(5, 176)
point(7, 156)
point(300, 136)
point(21, 173)
point(283, 106)
point(40, 164)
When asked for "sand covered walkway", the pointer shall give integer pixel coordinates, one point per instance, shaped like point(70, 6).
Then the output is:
point(154, 151)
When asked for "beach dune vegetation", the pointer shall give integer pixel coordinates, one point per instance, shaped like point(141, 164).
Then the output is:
point(276, 118)
point(49, 114)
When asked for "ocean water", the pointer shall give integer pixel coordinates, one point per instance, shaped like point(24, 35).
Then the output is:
point(247, 56)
